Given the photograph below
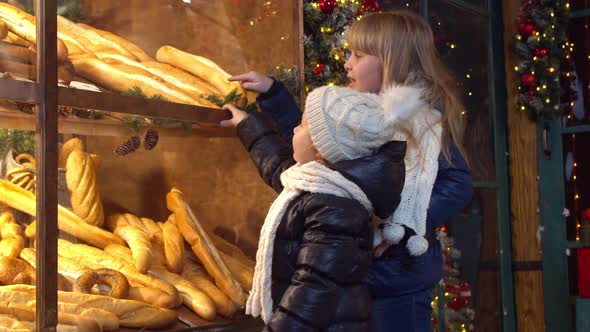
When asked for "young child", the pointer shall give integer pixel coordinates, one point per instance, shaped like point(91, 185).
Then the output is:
point(315, 244)
point(393, 48)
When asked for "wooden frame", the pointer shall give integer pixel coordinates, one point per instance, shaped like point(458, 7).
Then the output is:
point(46, 96)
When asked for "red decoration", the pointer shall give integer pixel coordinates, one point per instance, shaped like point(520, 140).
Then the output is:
point(541, 52)
point(526, 29)
point(370, 6)
point(327, 6)
point(318, 69)
point(528, 80)
point(464, 293)
point(584, 272)
point(586, 215)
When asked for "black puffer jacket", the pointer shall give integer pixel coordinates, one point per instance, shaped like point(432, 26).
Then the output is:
point(322, 250)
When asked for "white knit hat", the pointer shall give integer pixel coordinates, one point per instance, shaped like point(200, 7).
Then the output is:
point(345, 124)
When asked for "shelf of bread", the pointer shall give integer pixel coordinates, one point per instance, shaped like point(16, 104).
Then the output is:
point(174, 84)
point(119, 270)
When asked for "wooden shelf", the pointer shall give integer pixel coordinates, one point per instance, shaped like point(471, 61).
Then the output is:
point(205, 119)
point(12, 118)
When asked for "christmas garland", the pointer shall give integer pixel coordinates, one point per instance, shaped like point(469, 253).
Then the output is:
point(543, 49)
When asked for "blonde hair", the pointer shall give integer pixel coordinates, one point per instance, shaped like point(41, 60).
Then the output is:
point(404, 42)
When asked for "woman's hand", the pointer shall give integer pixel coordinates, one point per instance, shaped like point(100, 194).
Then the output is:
point(237, 116)
point(253, 81)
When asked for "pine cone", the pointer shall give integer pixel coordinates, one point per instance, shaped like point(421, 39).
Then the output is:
point(150, 140)
point(128, 146)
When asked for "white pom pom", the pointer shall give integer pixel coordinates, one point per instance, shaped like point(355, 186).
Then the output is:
point(377, 236)
point(417, 245)
point(393, 233)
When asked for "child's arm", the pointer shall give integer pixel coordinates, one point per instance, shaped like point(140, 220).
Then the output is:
point(268, 151)
point(452, 190)
point(273, 99)
point(332, 264)
point(281, 106)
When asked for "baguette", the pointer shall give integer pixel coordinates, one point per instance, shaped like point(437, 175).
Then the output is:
point(181, 78)
point(191, 296)
point(22, 200)
point(64, 72)
point(231, 250)
point(140, 245)
point(244, 274)
point(12, 235)
point(73, 144)
point(195, 235)
point(197, 275)
point(140, 54)
point(96, 258)
point(9, 323)
point(130, 313)
point(121, 77)
point(23, 24)
point(16, 271)
point(18, 53)
point(68, 270)
point(199, 66)
point(16, 40)
point(95, 41)
point(191, 90)
point(82, 187)
point(3, 29)
point(151, 295)
point(173, 247)
point(25, 312)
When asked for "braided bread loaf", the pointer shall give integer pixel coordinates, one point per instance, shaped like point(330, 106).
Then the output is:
point(84, 194)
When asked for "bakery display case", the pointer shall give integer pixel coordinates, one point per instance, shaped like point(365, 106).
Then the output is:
point(123, 204)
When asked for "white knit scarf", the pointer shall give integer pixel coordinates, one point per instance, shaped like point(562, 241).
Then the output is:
point(309, 177)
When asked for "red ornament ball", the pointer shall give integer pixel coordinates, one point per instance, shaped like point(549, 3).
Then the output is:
point(327, 6)
point(528, 80)
point(371, 6)
point(526, 29)
point(541, 52)
point(318, 69)
point(587, 214)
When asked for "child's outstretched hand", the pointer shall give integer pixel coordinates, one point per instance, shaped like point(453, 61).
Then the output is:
point(253, 81)
point(237, 116)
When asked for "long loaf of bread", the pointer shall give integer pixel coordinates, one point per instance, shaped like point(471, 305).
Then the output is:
point(130, 313)
point(23, 24)
point(25, 312)
point(122, 77)
point(199, 66)
point(22, 200)
point(140, 54)
point(196, 90)
point(195, 235)
point(173, 247)
point(197, 275)
point(192, 296)
point(83, 188)
point(12, 235)
point(96, 258)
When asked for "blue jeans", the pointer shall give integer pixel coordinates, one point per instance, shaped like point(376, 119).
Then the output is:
point(407, 313)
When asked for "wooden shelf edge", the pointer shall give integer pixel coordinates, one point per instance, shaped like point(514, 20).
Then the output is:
point(10, 119)
point(27, 92)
